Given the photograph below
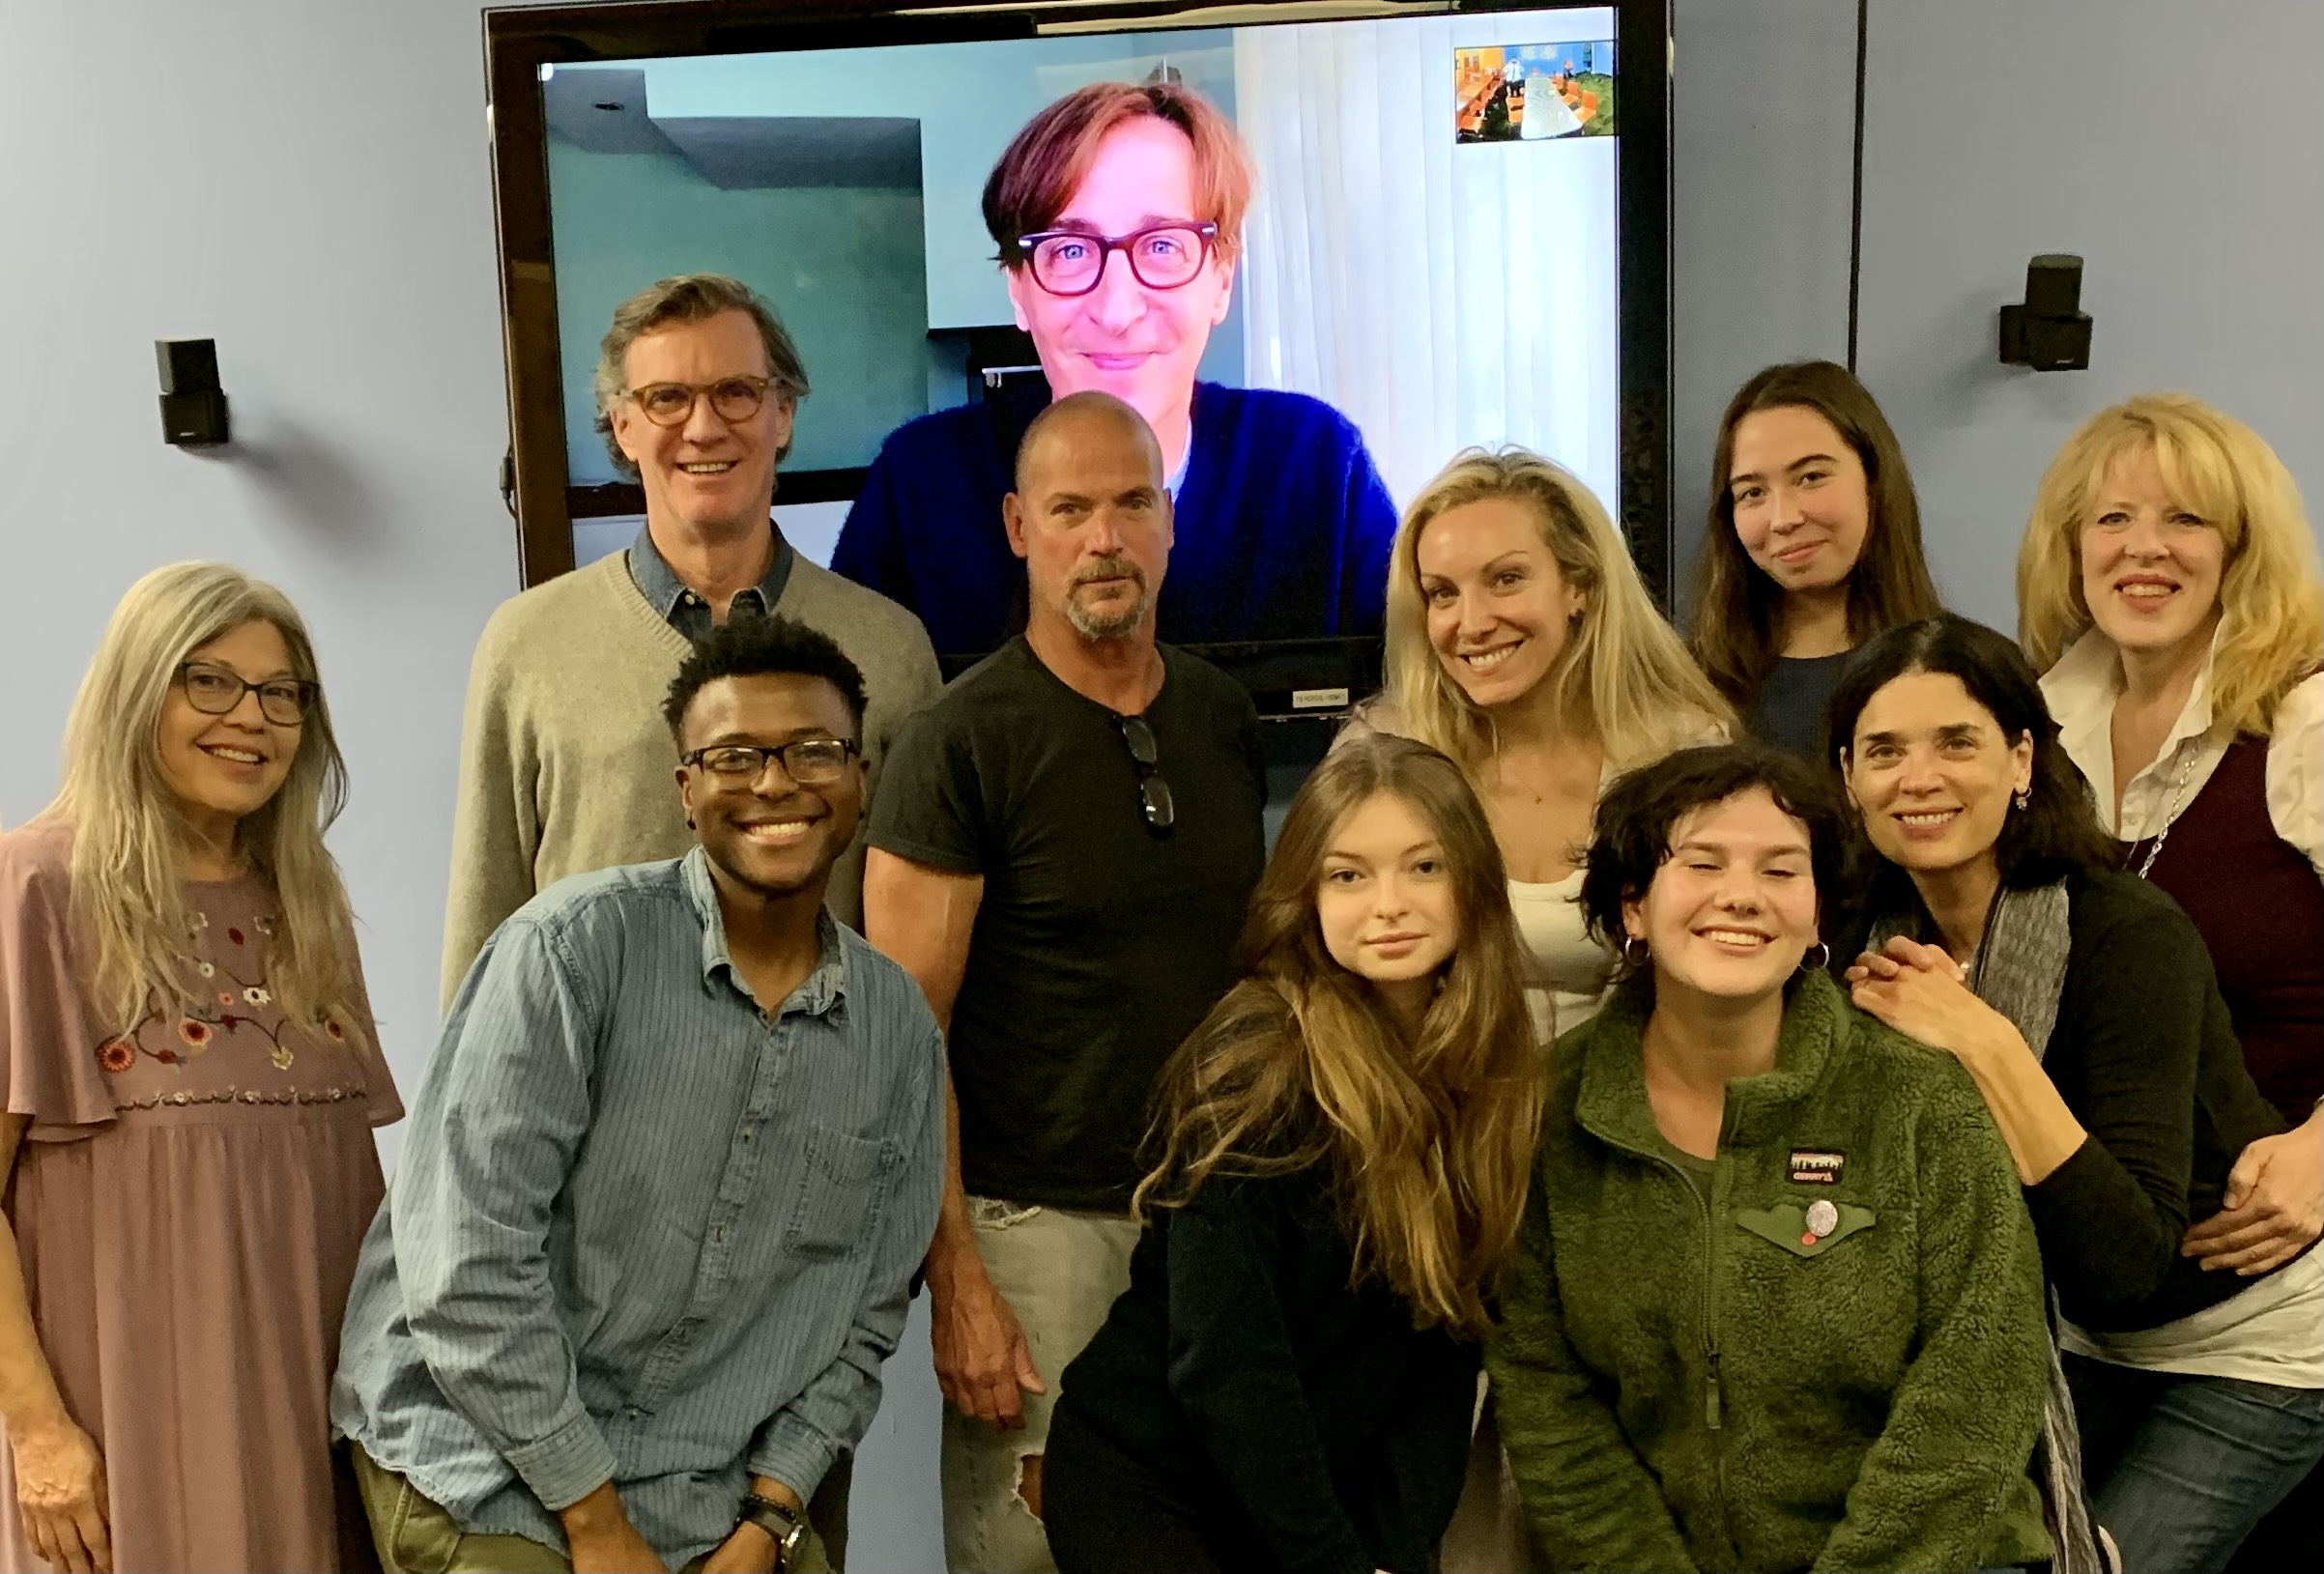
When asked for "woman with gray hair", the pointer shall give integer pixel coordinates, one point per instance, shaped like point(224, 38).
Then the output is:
point(190, 1077)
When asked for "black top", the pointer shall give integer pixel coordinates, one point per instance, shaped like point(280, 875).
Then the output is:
point(1099, 944)
point(1240, 1366)
point(2144, 1057)
point(1790, 711)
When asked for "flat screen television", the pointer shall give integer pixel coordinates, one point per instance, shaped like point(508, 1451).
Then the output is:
point(1456, 234)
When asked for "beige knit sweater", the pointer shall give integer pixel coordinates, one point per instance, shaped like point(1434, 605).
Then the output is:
point(565, 765)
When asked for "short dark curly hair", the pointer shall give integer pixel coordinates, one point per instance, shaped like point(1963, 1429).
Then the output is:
point(1639, 812)
point(748, 647)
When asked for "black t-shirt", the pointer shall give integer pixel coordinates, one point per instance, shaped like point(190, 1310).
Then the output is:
point(1099, 944)
point(1789, 712)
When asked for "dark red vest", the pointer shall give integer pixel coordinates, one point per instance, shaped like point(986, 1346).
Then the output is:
point(2260, 907)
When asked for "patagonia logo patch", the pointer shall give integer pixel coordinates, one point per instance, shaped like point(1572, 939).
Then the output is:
point(1813, 1167)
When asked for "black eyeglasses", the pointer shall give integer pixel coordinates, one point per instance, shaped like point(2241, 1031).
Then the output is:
point(216, 691)
point(1162, 256)
point(807, 761)
point(672, 404)
point(1153, 793)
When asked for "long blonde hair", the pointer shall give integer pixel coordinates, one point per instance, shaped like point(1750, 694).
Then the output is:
point(2271, 601)
point(129, 838)
point(1430, 1141)
point(1623, 678)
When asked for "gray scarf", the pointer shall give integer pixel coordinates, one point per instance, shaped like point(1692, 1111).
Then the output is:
point(2021, 973)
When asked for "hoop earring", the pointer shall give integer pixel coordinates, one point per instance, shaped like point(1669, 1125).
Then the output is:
point(1821, 962)
point(2024, 799)
point(1637, 959)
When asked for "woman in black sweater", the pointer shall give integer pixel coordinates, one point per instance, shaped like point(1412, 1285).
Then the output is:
point(1344, 1145)
point(2083, 1002)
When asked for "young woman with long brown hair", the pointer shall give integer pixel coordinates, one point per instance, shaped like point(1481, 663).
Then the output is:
point(1813, 546)
point(1342, 1153)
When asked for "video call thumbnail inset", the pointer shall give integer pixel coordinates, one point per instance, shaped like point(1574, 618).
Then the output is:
point(1341, 252)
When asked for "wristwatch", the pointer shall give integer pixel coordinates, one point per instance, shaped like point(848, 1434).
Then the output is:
point(778, 1520)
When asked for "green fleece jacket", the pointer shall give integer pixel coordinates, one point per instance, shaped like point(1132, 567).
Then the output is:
point(1686, 1383)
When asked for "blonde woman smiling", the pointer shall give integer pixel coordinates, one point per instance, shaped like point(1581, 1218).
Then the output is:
point(1522, 643)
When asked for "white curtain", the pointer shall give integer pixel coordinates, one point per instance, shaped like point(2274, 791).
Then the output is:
point(1440, 295)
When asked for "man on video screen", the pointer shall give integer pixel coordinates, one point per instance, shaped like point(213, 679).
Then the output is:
point(1118, 211)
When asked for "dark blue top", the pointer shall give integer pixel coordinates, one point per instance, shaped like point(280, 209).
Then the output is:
point(1283, 523)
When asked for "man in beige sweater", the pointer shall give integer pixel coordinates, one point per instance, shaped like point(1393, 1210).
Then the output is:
point(564, 763)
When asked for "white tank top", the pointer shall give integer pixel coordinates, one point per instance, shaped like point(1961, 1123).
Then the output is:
point(1579, 970)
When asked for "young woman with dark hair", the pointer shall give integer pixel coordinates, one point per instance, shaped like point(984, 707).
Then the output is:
point(2083, 1005)
point(1343, 1152)
point(1813, 546)
point(1776, 1303)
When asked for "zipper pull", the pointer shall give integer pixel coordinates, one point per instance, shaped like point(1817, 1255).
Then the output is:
point(1710, 1395)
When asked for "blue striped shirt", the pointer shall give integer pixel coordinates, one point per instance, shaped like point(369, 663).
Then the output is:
point(642, 1231)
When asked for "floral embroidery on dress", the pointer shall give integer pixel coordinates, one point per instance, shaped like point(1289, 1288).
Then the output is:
point(197, 1027)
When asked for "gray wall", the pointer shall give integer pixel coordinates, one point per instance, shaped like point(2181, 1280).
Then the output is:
point(307, 182)
point(2179, 150)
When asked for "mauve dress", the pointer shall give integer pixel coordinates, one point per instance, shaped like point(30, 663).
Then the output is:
point(188, 1203)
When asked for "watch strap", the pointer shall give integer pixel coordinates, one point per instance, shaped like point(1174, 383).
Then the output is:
point(778, 1520)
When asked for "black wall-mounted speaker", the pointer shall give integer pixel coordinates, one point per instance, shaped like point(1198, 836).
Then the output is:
point(194, 407)
point(2048, 332)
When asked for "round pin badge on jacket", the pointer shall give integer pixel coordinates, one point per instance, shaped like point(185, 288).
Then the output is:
point(1823, 1218)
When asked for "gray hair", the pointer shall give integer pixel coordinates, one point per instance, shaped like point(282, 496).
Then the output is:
point(690, 298)
point(128, 830)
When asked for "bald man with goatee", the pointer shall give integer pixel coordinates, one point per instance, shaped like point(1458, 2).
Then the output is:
point(1061, 852)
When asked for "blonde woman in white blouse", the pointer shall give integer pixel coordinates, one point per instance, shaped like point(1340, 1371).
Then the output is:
point(2169, 585)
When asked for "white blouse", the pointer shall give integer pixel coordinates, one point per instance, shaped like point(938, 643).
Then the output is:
point(2082, 690)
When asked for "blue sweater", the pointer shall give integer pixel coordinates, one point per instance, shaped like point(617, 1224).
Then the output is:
point(1283, 523)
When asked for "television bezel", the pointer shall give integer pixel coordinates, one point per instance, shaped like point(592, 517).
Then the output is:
point(519, 40)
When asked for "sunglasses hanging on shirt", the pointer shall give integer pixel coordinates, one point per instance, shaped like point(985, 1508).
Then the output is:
point(1154, 800)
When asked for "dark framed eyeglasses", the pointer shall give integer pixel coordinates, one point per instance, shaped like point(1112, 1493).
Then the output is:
point(1154, 800)
point(732, 399)
point(1162, 256)
point(217, 690)
point(807, 761)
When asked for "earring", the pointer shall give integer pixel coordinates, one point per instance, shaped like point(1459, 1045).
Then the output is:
point(2024, 799)
point(1634, 959)
point(689, 822)
point(1821, 962)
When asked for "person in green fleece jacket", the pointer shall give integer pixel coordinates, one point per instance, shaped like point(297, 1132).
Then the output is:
point(1777, 1303)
